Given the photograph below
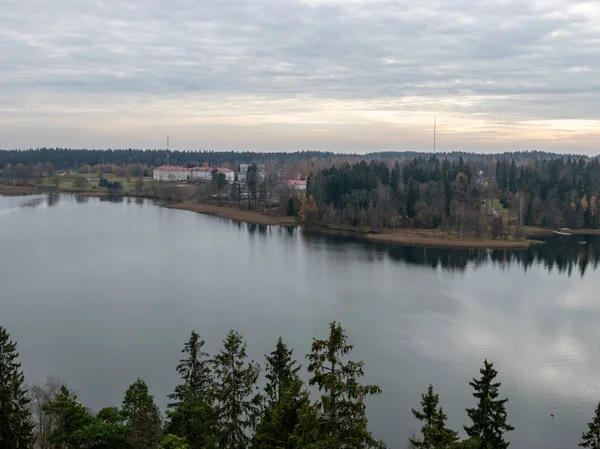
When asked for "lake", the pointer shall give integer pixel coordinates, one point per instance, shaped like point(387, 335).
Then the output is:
point(100, 293)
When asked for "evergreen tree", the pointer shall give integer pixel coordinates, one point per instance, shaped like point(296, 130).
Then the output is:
point(281, 420)
point(489, 417)
point(106, 431)
point(142, 417)
point(434, 431)
point(237, 406)
point(281, 369)
point(285, 396)
point(191, 414)
point(591, 438)
point(70, 419)
point(291, 207)
point(338, 419)
point(16, 426)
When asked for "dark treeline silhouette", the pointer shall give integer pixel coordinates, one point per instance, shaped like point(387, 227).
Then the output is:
point(62, 158)
point(74, 158)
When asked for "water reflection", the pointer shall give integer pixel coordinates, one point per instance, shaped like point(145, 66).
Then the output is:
point(565, 255)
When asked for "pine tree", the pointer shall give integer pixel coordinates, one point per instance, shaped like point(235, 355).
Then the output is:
point(284, 395)
point(340, 419)
point(281, 369)
point(191, 414)
point(237, 405)
point(16, 425)
point(434, 431)
point(591, 438)
point(142, 417)
point(489, 417)
point(70, 419)
point(291, 207)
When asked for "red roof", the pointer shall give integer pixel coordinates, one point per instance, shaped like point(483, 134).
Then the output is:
point(177, 168)
point(170, 168)
point(295, 182)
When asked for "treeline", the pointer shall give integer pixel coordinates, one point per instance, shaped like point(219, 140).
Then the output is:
point(65, 158)
point(218, 405)
point(473, 197)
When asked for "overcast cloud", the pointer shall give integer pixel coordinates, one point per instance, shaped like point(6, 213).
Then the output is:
point(352, 75)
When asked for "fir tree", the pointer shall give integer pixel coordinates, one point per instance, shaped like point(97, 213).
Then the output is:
point(284, 395)
point(237, 405)
point(142, 417)
point(591, 438)
point(340, 419)
point(434, 431)
point(70, 418)
point(291, 207)
point(281, 369)
point(489, 417)
point(191, 414)
point(16, 426)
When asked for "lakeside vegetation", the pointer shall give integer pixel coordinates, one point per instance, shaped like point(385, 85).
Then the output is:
point(450, 200)
point(218, 404)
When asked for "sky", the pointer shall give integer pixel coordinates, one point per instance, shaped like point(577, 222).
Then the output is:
point(286, 75)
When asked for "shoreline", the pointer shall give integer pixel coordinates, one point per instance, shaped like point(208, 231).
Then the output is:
point(233, 213)
point(409, 237)
point(423, 238)
point(399, 237)
point(10, 190)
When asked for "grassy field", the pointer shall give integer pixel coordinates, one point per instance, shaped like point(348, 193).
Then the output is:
point(66, 183)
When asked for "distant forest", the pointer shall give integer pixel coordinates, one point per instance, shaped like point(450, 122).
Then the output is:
point(62, 158)
point(472, 195)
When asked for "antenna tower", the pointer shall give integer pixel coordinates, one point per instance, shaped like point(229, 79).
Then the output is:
point(168, 150)
point(434, 131)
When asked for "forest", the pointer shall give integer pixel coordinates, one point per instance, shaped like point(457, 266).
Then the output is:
point(67, 158)
point(476, 198)
point(218, 404)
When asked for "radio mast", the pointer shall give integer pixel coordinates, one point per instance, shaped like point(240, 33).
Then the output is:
point(434, 131)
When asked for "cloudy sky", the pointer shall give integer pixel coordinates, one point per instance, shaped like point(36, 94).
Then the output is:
point(344, 75)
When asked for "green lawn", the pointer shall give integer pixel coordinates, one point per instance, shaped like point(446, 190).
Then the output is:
point(66, 183)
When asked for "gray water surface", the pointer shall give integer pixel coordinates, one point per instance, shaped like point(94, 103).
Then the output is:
point(101, 293)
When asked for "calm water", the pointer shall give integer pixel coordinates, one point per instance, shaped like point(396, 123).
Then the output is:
point(100, 293)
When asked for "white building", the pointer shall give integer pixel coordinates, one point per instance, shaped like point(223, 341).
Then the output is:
point(171, 173)
point(295, 184)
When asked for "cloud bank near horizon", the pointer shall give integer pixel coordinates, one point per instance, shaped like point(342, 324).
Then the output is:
point(352, 75)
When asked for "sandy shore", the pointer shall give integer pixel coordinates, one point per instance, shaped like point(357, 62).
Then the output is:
point(234, 213)
point(435, 239)
point(402, 237)
point(9, 190)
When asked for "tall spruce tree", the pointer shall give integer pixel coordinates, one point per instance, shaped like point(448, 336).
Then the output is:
point(237, 402)
point(489, 417)
point(591, 438)
point(70, 419)
point(142, 417)
point(285, 396)
point(434, 432)
point(281, 369)
point(191, 414)
point(340, 420)
point(16, 425)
